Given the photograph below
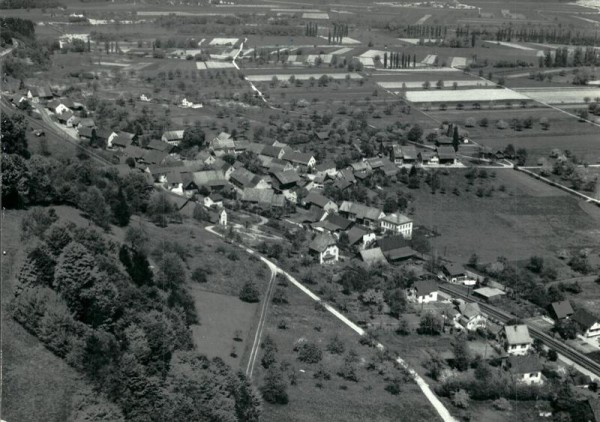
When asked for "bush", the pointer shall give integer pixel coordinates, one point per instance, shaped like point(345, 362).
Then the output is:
point(460, 399)
point(199, 275)
point(348, 372)
point(394, 387)
point(336, 346)
point(310, 353)
point(552, 355)
point(502, 404)
point(249, 293)
point(280, 296)
point(322, 374)
point(274, 388)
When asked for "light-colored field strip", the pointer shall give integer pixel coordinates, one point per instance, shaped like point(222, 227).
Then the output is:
point(373, 53)
point(167, 13)
point(416, 41)
point(213, 64)
point(511, 45)
point(201, 41)
point(429, 59)
point(341, 51)
point(386, 72)
point(302, 77)
point(458, 62)
point(366, 61)
point(561, 95)
point(223, 41)
point(466, 95)
point(422, 20)
point(114, 64)
point(447, 84)
point(594, 83)
point(587, 20)
point(345, 40)
point(310, 15)
point(200, 65)
point(297, 10)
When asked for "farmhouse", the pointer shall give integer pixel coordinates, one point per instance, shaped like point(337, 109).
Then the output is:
point(273, 152)
point(398, 224)
point(301, 160)
point(121, 140)
point(212, 179)
point(243, 178)
point(424, 291)
point(561, 310)
point(223, 144)
point(173, 137)
point(456, 274)
point(428, 157)
point(265, 198)
point(373, 256)
point(324, 248)
point(361, 214)
point(158, 145)
point(360, 235)
point(409, 154)
point(395, 249)
point(327, 168)
point(332, 223)
point(315, 199)
point(589, 324)
point(213, 200)
point(446, 155)
point(525, 369)
point(285, 180)
point(471, 317)
point(517, 340)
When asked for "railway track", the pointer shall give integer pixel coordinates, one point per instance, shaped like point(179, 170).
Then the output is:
point(557, 345)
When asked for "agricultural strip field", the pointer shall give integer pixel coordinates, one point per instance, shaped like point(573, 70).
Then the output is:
point(447, 84)
point(532, 218)
point(561, 95)
point(302, 76)
point(467, 95)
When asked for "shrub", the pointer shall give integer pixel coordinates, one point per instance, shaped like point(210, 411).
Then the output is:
point(348, 372)
point(310, 353)
point(336, 346)
point(280, 296)
point(502, 404)
point(249, 293)
point(460, 399)
point(552, 355)
point(274, 388)
point(394, 387)
point(322, 374)
point(199, 275)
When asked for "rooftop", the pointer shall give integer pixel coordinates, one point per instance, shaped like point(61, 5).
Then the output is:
point(517, 334)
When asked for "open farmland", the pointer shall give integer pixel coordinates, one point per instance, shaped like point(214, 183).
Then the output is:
point(561, 95)
point(466, 95)
point(302, 76)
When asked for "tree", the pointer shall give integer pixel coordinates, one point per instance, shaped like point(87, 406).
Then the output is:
point(431, 323)
point(521, 156)
point(193, 137)
point(390, 205)
point(455, 138)
point(462, 354)
point(460, 399)
point(171, 271)
point(415, 133)
point(536, 264)
point(160, 208)
point(274, 388)
point(509, 151)
point(279, 296)
point(15, 181)
point(120, 209)
point(74, 272)
point(93, 204)
point(396, 300)
point(310, 352)
point(14, 140)
point(249, 293)
point(336, 346)
point(199, 275)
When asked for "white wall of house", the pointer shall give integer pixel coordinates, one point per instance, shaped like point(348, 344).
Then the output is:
point(531, 378)
point(478, 321)
point(431, 297)
point(404, 229)
point(518, 349)
point(329, 255)
point(223, 218)
point(593, 331)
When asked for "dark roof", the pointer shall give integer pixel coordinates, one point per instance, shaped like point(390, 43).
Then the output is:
point(409, 152)
point(286, 177)
point(562, 309)
point(391, 243)
point(400, 253)
point(425, 287)
point(85, 132)
point(327, 165)
point(317, 199)
point(158, 145)
point(298, 157)
point(446, 153)
point(271, 151)
point(123, 139)
point(584, 318)
point(338, 222)
point(103, 133)
point(454, 269)
point(322, 242)
point(524, 364)
point(355, 234)
point(373, 256)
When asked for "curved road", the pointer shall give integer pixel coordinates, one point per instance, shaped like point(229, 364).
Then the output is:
point(425, 388)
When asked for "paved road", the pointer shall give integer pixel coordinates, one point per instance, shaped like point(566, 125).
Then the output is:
point(425, 388)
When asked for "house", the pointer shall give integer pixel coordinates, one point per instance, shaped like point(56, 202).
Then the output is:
point(223, 166)
point(589, 323)
point(36, 94)
point(86, 122)
point(262, 197)
point(360, 236)
point(121, 139)
point(64, 116)
point(302, 160)
point(409, 154)
point(428, 157)
point(222, 144)
point(332, 223)
point(273, 151)
point(324, 248)
point(525, 369)
point(456, 274)
point(517, 341)
point(561, 310)
point(277, 165)
point(395, 248)
point(373, 256)
point(446, 155)
point(424, 291)
point(73, 121)
point(471, 317)
point(327, 168)
point(205, 157)
point(158, 145)
point(397, 224)
point(173, 137)
point(102, 135)
point(285, 180)
point(361, 214)
point(86, 133)
point(243, 178)
point(315, 199)
point(213, 200)
point(388, 169)
point(212, 179)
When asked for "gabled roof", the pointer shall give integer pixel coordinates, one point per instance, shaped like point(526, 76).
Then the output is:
point(286, 177)
point(123, 139)
point(404, 252)
point(209, 178)
point(562, 309)
point(87, 122)
point(255, 147)
point(355, 234)
point(158, 145)
point(469, 310)
point(446, 153)
point(173, 135)
point(517, 334)
point(360, 166)
point(223, 141)
point(334, 222)
point(298, 157)
point(374, 162)
point(454, 269)
point(245, 177)
point(392, 242)
point(317, 199)
point(584, 318)
point(347, 174)
point(425, 287)
point(85, 132)
point(361, 211)
point(396, 218)
point(271, 151)
point(524, 364)
point(373, 256)
point(103, 133)
point(322, 242)
point(409, 152)
point(154, 157)
point(327, 165)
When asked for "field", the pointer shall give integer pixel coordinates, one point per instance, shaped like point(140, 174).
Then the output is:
point(562, 95)
point(465, 95)
point(336, 399)
point(529, 218)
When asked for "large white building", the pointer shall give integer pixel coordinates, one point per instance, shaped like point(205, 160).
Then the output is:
point(397, 224)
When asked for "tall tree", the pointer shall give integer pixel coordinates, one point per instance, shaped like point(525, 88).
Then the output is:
point(13, 136)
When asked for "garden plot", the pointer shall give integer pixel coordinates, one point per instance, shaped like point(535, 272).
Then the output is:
point(422, 20)
point(511, 45)
point(366, 61)
point(561, 95)
point(223, 41)
point(345, 40)
point(214, 64)
point(341, 51)
point(311, 59)
point(429, 59)
point(312, 15)
point(200, 65)
point(447, 84)
point(302, 77)
point(372, 54)
point(465, 95)
point(459, 62)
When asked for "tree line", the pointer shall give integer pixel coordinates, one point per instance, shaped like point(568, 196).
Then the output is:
point(398, 60)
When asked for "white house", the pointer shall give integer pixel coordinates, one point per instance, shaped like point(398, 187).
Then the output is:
point(214, 200)
point(61, 108)
point(456, 274)
point(223, 218)
point(588, 323)
point(471, 317)
point(325, 249)
point(424, 291)
point(525, 369)
point(397, 224)
point(517, 340)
